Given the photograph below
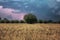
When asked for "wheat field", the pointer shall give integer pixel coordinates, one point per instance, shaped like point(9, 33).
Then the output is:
point(29, 31)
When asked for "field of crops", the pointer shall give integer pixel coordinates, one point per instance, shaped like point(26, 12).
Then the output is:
point(29, 31)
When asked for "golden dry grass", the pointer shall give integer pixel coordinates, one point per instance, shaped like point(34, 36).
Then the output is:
point(29, 31)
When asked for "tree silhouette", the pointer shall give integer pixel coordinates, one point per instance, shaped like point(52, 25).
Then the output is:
point(30, 18)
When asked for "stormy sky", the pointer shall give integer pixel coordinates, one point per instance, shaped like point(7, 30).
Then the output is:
point(43, 9)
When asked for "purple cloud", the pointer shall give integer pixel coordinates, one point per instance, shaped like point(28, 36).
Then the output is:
point(5, 12)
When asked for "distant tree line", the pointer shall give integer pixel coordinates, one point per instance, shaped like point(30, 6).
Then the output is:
point(5, 20)
point(29, 18)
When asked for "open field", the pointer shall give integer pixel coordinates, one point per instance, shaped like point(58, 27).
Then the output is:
point(29, 31)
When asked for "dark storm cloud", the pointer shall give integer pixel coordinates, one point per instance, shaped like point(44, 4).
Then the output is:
point(43, 9)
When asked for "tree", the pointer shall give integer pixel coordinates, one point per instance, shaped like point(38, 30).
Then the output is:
point(50, 21)
point(46, 21)
point(58, 22)
point(6, 20)
point(0, 18)
point(41, 21)
point(1, 21)
point(14, 21)
point(30, 18)
point(21, 21)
